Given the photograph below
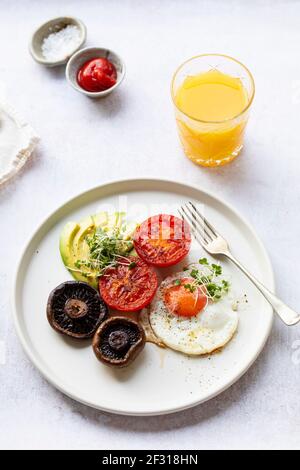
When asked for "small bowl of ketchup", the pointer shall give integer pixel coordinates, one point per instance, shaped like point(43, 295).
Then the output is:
point(95, 71)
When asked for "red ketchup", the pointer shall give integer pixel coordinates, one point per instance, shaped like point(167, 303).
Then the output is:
point(97, 75)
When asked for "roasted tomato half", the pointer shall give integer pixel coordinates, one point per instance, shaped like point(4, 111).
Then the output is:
point(162, 240)
point(129, 286)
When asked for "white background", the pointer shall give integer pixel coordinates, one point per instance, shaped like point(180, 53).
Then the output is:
point(130, 134)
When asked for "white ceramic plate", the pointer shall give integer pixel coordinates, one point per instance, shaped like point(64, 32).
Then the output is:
point(159, 381)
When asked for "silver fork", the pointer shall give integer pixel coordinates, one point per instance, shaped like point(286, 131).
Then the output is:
point(215, 244)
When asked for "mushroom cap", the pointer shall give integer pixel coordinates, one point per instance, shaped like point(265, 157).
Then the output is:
point(75, 309)
point(118, 341)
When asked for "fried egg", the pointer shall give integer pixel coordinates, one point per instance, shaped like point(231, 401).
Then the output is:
point(211, 328)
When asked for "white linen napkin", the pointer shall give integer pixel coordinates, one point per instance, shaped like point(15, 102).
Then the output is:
point(17, 142)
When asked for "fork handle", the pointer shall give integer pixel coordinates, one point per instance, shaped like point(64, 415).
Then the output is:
point(287, 315)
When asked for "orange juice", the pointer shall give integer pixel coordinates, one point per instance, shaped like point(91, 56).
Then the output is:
point(211, 113)
point(212, 96)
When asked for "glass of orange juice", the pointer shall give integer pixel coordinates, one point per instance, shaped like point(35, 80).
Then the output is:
point(212, 94)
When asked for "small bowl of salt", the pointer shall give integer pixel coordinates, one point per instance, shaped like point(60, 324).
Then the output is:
point(54, 42)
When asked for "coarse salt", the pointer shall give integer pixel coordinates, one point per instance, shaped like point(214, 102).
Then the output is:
point(58, 46)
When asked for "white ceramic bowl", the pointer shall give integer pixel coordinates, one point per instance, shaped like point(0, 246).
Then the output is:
point(53, 26)
point(88, 53)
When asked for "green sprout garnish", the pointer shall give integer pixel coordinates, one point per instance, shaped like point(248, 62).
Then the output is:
point(209, 277)
point(106, 250)
point(190, 287)
point(132, 265)
point(217, 269)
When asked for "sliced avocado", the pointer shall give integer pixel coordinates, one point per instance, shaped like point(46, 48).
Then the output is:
point(114, 221)
point(66, 242)
point(74, 246)
point(67, 250)
point(87, 226)
point(129, 230)
point(81, 250)
point(126, 232)
point(100, 219)
point(80, 246)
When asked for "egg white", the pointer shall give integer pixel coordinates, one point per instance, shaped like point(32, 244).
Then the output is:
point(211, 329)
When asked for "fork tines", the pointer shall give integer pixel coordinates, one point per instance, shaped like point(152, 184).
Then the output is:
point(202, 230)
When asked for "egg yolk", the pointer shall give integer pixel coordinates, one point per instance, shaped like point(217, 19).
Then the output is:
point(185, 299)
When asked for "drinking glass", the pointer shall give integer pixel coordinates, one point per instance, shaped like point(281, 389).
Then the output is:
point(212, 143)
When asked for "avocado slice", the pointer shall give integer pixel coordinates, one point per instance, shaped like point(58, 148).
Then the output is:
point(73, 245)
point(129, 230)
point(100, 219)
point(71, 250)
point(114, 221)
point(88, 226)
point(66, 242)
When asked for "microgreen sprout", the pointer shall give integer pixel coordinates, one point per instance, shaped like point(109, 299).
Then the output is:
point(190, 287)
point(107, 249)
point(209, 277)
point(132, 265)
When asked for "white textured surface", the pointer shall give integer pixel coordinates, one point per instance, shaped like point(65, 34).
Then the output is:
point(132, 133)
